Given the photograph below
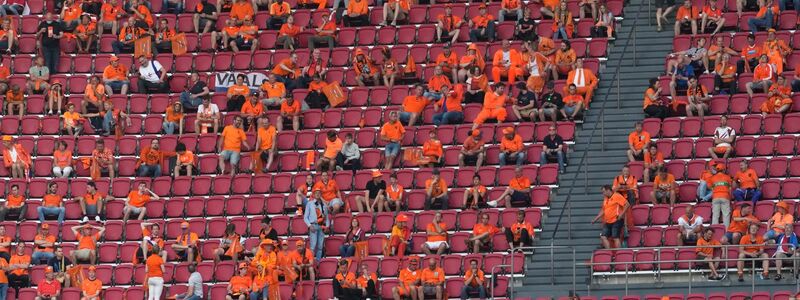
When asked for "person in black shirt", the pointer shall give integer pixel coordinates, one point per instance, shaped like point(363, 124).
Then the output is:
point(50, 32)
point(526, 27)
point(192, 98)
point(376, 189)
point(552, 103)
point(205, 16)
point(60, 264)
point(525, 107)
point(553, 147)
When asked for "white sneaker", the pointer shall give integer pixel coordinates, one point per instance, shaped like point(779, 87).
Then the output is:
point(85, 219)
point(492, 203)
point(97, 218)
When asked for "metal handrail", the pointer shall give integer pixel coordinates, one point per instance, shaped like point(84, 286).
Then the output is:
point(552, 263)
point(491, 280)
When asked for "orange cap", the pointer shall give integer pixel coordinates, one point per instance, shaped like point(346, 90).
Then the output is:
point(508, 130)
point(783, 204)
point(376, 173)
point(476, 133)
point(720, 167)
point(243, 265)
point(45, 226)
point(300, 243)
point(772, 30)
point(7, 138)
point(402, 218)
point(114, 58)
point(92, 268)
point(49, 269)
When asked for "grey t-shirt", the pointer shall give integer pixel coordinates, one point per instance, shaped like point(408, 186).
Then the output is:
point(196, 281)
point(42, 71)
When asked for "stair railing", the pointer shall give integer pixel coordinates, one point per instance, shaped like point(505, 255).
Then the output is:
point(532, 249)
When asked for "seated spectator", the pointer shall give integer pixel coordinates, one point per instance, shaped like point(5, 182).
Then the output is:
point(288, 33)
point(400, 237)
point(680, 70)
point(247, 36)
point(780, 98)
point(38, 77)
point(474, 282)
point(173, 122)
point(87, 243)
point(448, 109)
point(115, 77)
point(394, 196)
point(564, 60)
point(473, 150)
point(317, 65)
point(626, 185)
point(220, 40)
point(193, 97)
point(752, 246)
point(285, 71)
point(15, 158)
point(162, 42)
point(331, 195)
point(5, 72)
point(262, 280)
point(70, 15)
point(408, 281)
point(230, 246)
point(637, 141)
point(712, 18)
point(237, 94)
point(741, 219)
point(395, 10)
point(333, 147)
point(392, 134)
point(481, 26)
point(763, 74)
point(432, 151)
point(725, 76)
point(141, 11)
point(52, 204)
point(525, 106)
point(768, 12)
point(93, 203)
point(152, 76)
point(224, 6)
point(477, 84)
point(264, 255)
point(707, 254)
point(776, 50)
point(324, 33)
point(653, 160)
point(18, 273)
point(357, 13)
point(511, 148)
point(724, 136)
point(184, 160)
point(389, 69)
point(521, 233)
point(552, 103)
point(655, 104)
point(344, 282)
point(205, 17)
point(437, 236)
point(230, 145)
point(62, 160)
point(786, 246)
point(317, 218)
point(48, 288)
point(750, 55)
point(686, 15)
point(252, 110)
point(367, 281)
point(413, 106)
point(717, 49)
point(85, 34)
point(128, 35)
point(475, 195)
point(94, 96)
point(432, 281)
point(365, 68)
point(266, 146)
point(353, 236)
point(554, 146)
point(691, 227)
point(185, 245)
point(720, 196)
point(518, 192)
point(436, 83)
point(208, 116)
point(512, 8)
point(448, 27)
point(613, 212)
point(176, 6)
point(291, 110)
point(349, 158)
point(279, 12)
point(436, 191)
point(664, 188)
point(698, 98)
point(285, 264)
point(746, 185)
point(136, 201)
point(14, 7)
point(239, 285)
point(91, 286)
point(494, 106)
point(781, 218)
point(60, 265)
point(563, 24)
point(573, 103)
point(110, 12)
point(150, 159)
point(482, 233)
point(507, 62)
point(15, 101)
point(55, 97)
point(303, 194)
point(303, 261)
point(273, 91)
point(43, 244)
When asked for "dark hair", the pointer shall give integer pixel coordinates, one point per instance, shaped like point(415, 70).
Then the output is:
point(91, 184)
point(180, 147)
point(331, 133)
point(606, 187)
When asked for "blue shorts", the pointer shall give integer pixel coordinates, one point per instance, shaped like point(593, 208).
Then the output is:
point(116, 85)
point(231, 156)
point(392, 149)
point(613, 230)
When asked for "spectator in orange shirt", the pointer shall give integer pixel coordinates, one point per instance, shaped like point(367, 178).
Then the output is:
point(110, 11)
point(482, 235)
point(471, 72)
point(780, 98)
point(573, 103)
point(85, 34)
point(474, 282)
point(52, 204)
point(205, 16)
point(18, 265)
point(781, 218)
point(344, 282)
point(436, 236)
point(707, 254)
point(638, 140)
point(365, 69)
point(94, 96)
point(740, 221)
point(511, 148)
point(409, 281)
point(475, 195)
point(91, 286)
point(266, 145)
point(150, 160)
point(162, 42)
point(389, 69)
point(243, 9)
point(87, 243)
point(482, 26)
point(612, 214)
point(223, 38)
point(564, 60)
point(720, 184)
point(520, 234)
point(436, 83)
point(273, 91)
point(252, 109)
point(752, 246)
point(141, 11)
point(43, 244)
point(287, 34)
point(626, 184)
point(473, 151)
point(746, 185)
point(394, 196)
point(92, 202)
point(712, 18)
point(303, 261)
point(395, 10)
point(432, 150)
point(563, 25)
point(279, 11)
point(230, 246)
point(766, 16)
point(507, 62)
point(115, 77)
point(48, 288)
point(230, 145)
point(184, 160)
point(324, 33)
point(333, 146)
point(247, 36)
point(392, 134)
point(136, 201)
point(291, 110)
point(62, 160)
point(518, 192)
point(584, 80)
point(151, 237)
point(154, 268)
point(435, 191)
point(173, 119)
point(510, 8)
point(286, 70)
point(655, 105)
point(664, 187)
point(357, 13)
point(15, 101)
point(413, 106)
point(432, 281)
point(763, 75)
point(448, 26)
point(494, 106)
point(185, 245)
point(400, 237)
point(14, 205)
point(698, 98)
point(653, 160)
point(70, 15)
point(127, 36)
point(5, 73)
point(16, 158)
point(686, 15)
point(237, 94)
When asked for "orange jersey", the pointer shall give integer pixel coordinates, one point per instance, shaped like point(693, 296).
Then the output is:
point(639, 140)
point(232, 138)
point(747, 179)
point(415, 104)
point(612, 207)
point(511, 145)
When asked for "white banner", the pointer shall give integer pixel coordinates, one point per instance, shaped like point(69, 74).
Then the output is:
point(225, 79)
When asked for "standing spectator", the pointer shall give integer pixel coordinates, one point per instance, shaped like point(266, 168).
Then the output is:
point(413, 106)
point(746, 185)
point(706, 238)
point(553, 146)
point(613, 211)
point(354, 235)
point(518, 192)
point(511, 148)
point(655, 105)
point(50, 33)
point(432, 151)
point(333, 147)
point(720, 184)
point(110, 12)
point(208, 115)
point(741, 219)
point(152, 76)
point(473, 151)
point(230, 145)
point(91, 286)
point(331, 195)
point(15, 205)
point(521, 233)
point(448, 26)
point(482, 234)
point(690, 227)
point(474, 281)
point(432, 281)
point(637, 142)
point(724, 136)
point(349, 158)
point(686, 15)
point(395, 10)
point(43, 244)
point(52, 204)
point(115, 77)
point(511, 8)
point(18, 265)
point(779, 220)
point(394, 196)
point(173, 122)
point(409, 279)
point(481, 26)
point(150, 159)
point(92, 203)
point(136, 201)
point(494, 106)
point(400, 237)
point(48, 288)
point(87, 243)
point(475, 195)
point(266, 146)
point(786, 246)
point(154, 268)
point(128, 35)
point(193, 97)
point(185, 245)
point(392, 134)
point(664, 188)
point(175, 5)
point(752, 246)
point(38, 77)
point(552, 102)
point(318, 222)
point(287, 34)
point(195, 289)
point(436, 236)
point(324, 33)
point(205, 17)
point(436, 191)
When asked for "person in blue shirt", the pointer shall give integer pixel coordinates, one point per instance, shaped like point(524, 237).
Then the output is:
point(680, 71)
point(786, 246)
point(318, 221)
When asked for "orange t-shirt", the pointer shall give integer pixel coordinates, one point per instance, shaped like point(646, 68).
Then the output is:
point(747, 179)
point(92, 93)
point(290, 30)
point(14, 200)
point(512, 145)
point(437, 237)
point(287, 62)
point(273, 90)
point(393, 132)
point(240, 283)
point(110, 12)
point(47, 238)
point(250, 109)
point(494, 101)
point(741, 226)
point(720, 184)
point(647, 98)
point(408, 277)
point(3, 265)
point(708, 251)
point(88, 241)
point(242, 9)
point(232, 138)
point(572, 100)
point(280, 9)
point(290, 109)
point(332, 148)
point(649, 158)
point(762, 72)
point(20, 260)
point(173, 116)
point(477, 280)
point(347, 280)
point(519, 183)
point(451, 60)
point(91, 287)
point(329, 191)
point(749, 240)
point(12, 97)
point(664, 183)
point(357, 7)
point(438, 81)
point(687, 13)
point(394, 192)
point(435, 276)
point(639, 140)
point(415, 104)
point(517, 227)
point(72, 13)
point(316, 86)
point(482, 21)
point(51, 200)
point(115, 73)
point(480, 228)
point(138, 200)
point(154, 263)
point(266, 135)
point(612, 207)
point(510, 4)
point(432, 148)
point(238, 90)
point(437, 190)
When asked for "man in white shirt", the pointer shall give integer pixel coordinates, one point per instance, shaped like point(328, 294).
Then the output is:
point(152, 76)
point(195, 290)
point(690, 225)
point(207, 116)
point(723, 140)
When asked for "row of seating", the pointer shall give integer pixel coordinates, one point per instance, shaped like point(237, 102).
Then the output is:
point(752, 124)
point(663, 214)
point(778, 295)
point(649, 260)
point(687, 191)
point(775, 167)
